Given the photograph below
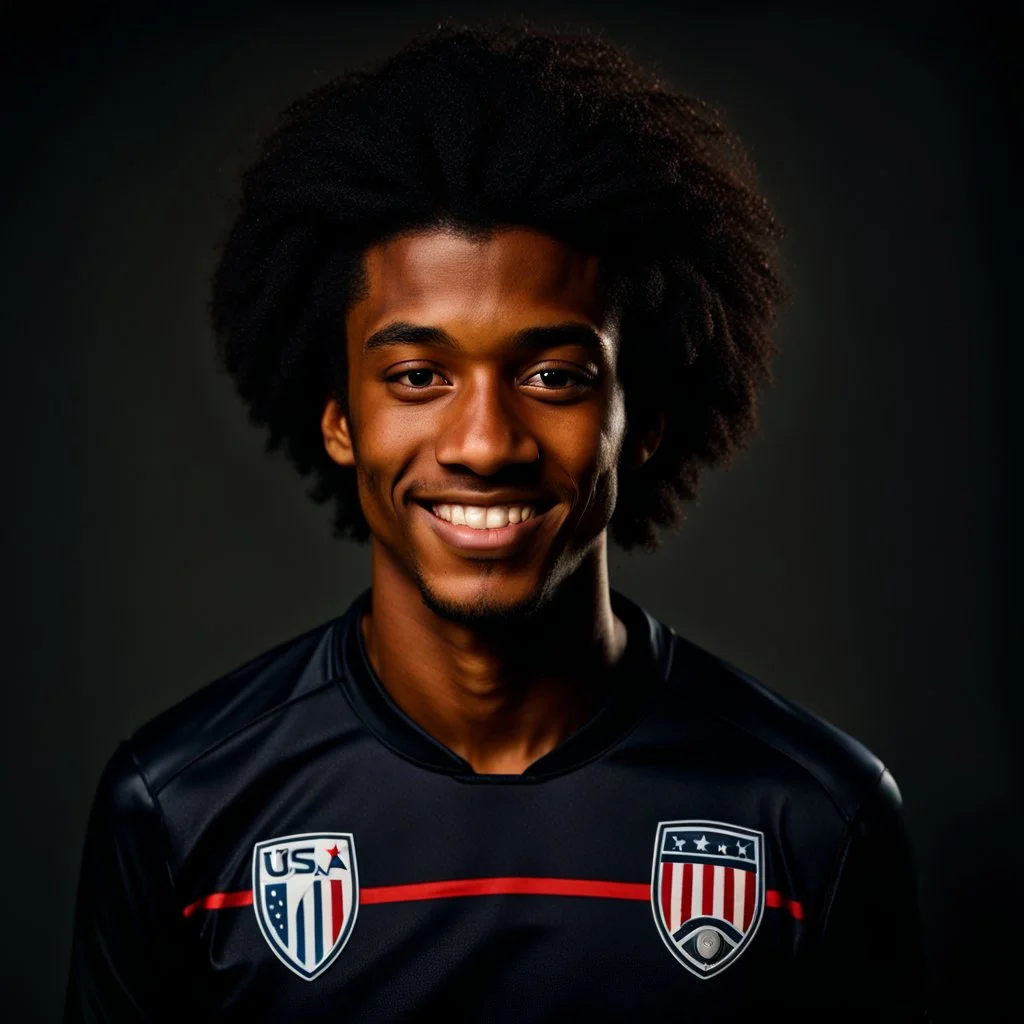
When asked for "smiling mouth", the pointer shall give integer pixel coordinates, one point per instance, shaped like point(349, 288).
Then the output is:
point(482, 517)
point(485, 531)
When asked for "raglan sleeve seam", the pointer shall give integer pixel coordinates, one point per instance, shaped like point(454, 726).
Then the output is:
point(161, 819)
point(842, 855)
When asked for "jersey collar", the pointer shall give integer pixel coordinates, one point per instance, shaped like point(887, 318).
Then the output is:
point(645, 666)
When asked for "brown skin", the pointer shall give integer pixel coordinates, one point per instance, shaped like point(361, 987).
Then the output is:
point(499, 654)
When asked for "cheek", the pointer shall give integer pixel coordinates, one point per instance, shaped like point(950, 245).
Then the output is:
point(377, 449)
point(368, 485)
point(590, 449)
point(614, 432)
point(606, 463)
point(604, 443)
point(391, 439)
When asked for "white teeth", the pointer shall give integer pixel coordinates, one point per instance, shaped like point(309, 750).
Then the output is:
point(497, 516)
point(480, 517)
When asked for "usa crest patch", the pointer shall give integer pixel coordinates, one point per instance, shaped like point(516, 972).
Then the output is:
point(707, 891)
point(306, 896)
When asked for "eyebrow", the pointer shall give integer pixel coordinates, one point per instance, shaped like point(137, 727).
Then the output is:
point(549, 336)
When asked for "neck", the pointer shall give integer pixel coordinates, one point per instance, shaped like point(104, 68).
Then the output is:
point(499, 698)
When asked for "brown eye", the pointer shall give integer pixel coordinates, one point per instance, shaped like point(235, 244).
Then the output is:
point(556, 378)
point(419, 378)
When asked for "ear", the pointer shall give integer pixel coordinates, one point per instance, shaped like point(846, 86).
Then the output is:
point(337, 436)
point(642, 442)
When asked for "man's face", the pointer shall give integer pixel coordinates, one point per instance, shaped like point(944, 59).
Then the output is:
point(485, 417)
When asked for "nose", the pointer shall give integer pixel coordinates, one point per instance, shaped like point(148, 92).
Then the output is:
point(482, 431)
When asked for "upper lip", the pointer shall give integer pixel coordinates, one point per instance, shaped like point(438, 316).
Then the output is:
point(488, 500)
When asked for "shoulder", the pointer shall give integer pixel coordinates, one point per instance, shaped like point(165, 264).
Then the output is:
point(290, 672)
point(779, 732)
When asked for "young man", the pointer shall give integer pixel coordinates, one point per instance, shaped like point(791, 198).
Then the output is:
point(503, 297)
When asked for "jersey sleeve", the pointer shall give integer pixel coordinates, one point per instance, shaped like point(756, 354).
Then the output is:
point(129, 956)
point(870, 958)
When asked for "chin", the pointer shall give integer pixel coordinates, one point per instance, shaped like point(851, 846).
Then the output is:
point(482, 606)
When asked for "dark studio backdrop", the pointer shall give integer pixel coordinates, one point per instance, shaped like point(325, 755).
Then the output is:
point(859, 557)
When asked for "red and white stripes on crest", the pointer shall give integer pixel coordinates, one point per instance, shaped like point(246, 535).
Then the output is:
point(707, 890)
point(319, 917)
point(337, 909)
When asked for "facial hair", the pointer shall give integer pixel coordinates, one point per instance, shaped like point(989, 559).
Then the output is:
point(484, 615)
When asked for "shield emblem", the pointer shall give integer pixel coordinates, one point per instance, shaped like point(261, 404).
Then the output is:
point(306, 895)
point(707, 891)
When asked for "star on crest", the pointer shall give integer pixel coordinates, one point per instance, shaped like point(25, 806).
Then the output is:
point(334, 862)
point(680, 843)
point(741, 849)
point(702, 843)
point(721, 847)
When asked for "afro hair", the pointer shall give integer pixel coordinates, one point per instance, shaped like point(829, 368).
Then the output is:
point(483, 128)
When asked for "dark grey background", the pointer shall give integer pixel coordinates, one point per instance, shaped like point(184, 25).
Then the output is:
point(859, 557)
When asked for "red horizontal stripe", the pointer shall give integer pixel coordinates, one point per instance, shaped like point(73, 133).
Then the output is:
point(505, 886)
point(219, 900)
point(513, 886)
point(774, 899)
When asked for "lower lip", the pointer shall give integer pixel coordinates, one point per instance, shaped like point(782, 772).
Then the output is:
point(498, 539)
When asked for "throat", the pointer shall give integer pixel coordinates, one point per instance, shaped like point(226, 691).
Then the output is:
point(506, 736)
point(498, 709)
point(499, 692)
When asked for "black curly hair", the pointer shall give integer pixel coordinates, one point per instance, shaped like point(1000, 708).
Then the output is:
point(478, 129)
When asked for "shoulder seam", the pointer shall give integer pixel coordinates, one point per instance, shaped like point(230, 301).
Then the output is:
point(843, 855)
point(164, 831)
point(237, 732)
point(784, 753)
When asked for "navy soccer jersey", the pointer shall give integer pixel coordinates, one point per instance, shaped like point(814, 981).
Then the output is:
point(287, 845)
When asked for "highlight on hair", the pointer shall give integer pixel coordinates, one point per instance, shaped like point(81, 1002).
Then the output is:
point(477, 129)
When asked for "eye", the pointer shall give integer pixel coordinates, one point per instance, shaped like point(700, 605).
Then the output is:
point(417, 379)
point(555, 378)
point(558, 379)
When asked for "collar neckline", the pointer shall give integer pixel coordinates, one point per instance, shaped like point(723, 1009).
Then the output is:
point(646, 664)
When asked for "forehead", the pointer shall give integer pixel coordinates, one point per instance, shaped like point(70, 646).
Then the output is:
point(516, 277)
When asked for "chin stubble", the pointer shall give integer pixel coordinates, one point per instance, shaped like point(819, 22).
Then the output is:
point(483, 614)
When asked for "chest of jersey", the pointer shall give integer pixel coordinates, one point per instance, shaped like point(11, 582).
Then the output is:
point(361, 885)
